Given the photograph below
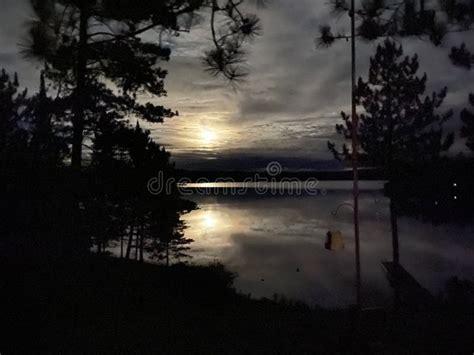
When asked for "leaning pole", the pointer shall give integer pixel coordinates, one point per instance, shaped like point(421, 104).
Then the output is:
point(355, 146)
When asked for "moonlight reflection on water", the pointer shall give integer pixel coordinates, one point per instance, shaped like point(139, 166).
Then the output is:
point(276, 245)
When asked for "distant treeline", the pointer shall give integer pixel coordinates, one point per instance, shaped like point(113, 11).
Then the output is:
point(439, 191)
point(455, 169)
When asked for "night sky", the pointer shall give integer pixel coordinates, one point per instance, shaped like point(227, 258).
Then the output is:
point(288, 107)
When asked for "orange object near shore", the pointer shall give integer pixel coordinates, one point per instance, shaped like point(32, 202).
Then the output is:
point(335, 241)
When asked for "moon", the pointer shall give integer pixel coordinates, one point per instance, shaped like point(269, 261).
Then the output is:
point(208, 136)
point(209, 220)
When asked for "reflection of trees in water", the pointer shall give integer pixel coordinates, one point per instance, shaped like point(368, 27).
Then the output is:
point(141, 221)
point(401, 126)
point(101, 63)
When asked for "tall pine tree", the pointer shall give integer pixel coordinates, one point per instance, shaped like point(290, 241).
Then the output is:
point(102, 54)
point(400, 126)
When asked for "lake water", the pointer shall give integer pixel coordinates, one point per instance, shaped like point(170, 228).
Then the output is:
point(276, 243)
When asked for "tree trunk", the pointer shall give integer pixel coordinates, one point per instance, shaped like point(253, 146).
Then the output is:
point(137, 238)
point(130, 240)
point(394, 224)
point(396, 254)
point(80, 92)
point(141, 243)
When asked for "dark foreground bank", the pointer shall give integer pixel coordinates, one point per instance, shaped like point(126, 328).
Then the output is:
point(106, 305)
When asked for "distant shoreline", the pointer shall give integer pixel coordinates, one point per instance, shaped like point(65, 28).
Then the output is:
point(194, 176)
point(280, 186)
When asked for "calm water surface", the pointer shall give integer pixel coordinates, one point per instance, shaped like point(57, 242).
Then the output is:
point(276, 244)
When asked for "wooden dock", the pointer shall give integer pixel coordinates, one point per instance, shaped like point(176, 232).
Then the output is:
point(409, 293)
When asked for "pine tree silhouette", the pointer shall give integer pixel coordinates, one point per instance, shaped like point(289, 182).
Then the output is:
point(400, 127)
point(467, 117)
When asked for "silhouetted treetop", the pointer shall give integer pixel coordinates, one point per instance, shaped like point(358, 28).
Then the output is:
point(13, 139)
point(398, 124)
point(101, 55)
point(420, 18)
point(117, 26)
point(467, 117)
point(462, 57)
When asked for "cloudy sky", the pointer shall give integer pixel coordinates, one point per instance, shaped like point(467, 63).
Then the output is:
point(288, 107)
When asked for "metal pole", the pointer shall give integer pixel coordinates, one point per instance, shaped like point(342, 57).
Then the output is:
point(355, 145)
